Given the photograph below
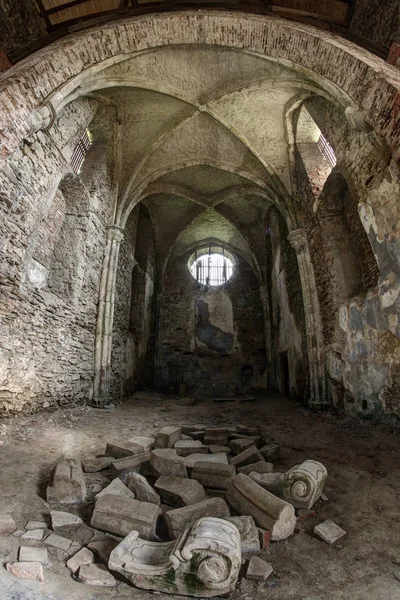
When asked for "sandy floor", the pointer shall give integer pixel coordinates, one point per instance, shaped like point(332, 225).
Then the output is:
point(363, 489)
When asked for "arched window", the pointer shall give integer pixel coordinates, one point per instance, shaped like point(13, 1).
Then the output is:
point(211, 266)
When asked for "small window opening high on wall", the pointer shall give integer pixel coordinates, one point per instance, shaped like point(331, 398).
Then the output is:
point(327, 150)
point(212, 266)
point(79, 153)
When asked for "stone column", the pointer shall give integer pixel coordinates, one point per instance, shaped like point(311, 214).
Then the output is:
point(270, 355)
point(105, 316)
point(318, 397)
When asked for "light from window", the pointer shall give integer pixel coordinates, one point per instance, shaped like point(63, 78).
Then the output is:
point(81, 148)
point(212, 269)
point(326, 150)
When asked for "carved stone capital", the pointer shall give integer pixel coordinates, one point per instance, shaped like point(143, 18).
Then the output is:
point(298, 239)
point(115, 233)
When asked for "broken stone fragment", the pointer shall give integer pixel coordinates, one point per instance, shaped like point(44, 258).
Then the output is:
point(83, 557)
point(165, 461)
point(119, 450)
point(186, 447)
point(61, 519)
point(268, 481)
point(117, 488)
point(33, 534)
point(178, 491)
point(28, 570)
point(32, 554)
point(259, 467)
point(218, 449)
point(271, 452)
point(257, 440)
point(216, 435)
point(35, 525)
point(329, 531)
point(265, 538)
point(142, 489)
point(120, 515)
point(258, 569)
point(303, 484)
point(146, 442)
point(123, 467)
point(213, 475)
point(93, 574)
point(198, 435)
point(268, 511)
point(167, 437)
point(93, 465)
point(102, 549)
point(249, 536)
point(179, 519)
point(239, 445)
point(248, 430)
point(192, 459)
point(7, 525)
point(67, 483)
point(57, 541)
point(251, 455)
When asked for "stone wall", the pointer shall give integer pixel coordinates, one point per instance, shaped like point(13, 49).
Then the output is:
point(213, 336)
point(20, 24)
point(377, 21)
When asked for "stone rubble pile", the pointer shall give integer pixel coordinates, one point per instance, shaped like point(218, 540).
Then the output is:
point(163, 488)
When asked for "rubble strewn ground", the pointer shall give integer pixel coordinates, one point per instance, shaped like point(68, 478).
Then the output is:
point(362, 491)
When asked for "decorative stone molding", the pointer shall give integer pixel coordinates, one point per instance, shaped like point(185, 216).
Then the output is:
point(303, 484)
point(203, 562)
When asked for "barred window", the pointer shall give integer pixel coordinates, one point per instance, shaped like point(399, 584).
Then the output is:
point(326, 150)
point(211, 266)
point(80, 151)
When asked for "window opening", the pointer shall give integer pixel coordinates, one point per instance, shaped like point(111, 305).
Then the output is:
point(212, 268)
point(326, 150)
point(80, 151)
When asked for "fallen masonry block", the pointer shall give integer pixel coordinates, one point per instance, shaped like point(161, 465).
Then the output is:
point(268, 481)
point(249, 536)
point(178, 491)
point(256, 439)
point(186, 447)
point(96, 575)
point(167, 437)
point(120, 515)
point(165, 461)
point(35, 525)
point(120, 450)
point(7, 525)
point(56, 541)
point(329, 531)
point(271, 453)
point(248, 430)
point(117, 488)
point(218, 449)
point(67, 483)
point(213, 475)
point(33, 534)
point(239, 445)
point(93, 465)
point(251, 455)
point(179, 519)
point(83, 557)
point(132, 464)
point(142, 489)
point(216, 435)
point(27, 570)
point(102, 549)
point(258, 569)
point(32, 554)
point(204, 561)
point(197, 435)
point(268, 511)
point(303, 484)
point(146, 442)
point(61, 519)
point(259, 467)
point(192, 459)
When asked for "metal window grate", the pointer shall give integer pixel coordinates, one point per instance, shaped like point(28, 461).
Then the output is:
point(212, 269)
point(326, 150)
point(78, 155)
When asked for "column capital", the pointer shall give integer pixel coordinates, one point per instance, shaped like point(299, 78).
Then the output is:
point(115, 233)
point(298, 239)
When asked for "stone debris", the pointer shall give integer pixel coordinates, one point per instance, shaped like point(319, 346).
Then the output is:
point(93, 465)
point(167, 437)
point(67, 484)
point(123, 467)
point(102, 549)
point(61, 519)
point(259, 467)
point(271, 453)
point(192, 459)
point(247, 457)
point(18, 533)
point(32, 554)
point(83, 557)
point(116, 488)
point(186, 447)
point(118, 450)
point(213, 475)
point(329, 531)
point(165, 461)
point(35, 525)
point(198, 435)
point(218, 449)
point(247, 430)
point(178, 491)
point(258, 569)
point(239, 445)
point(305, 513)
point(94, 574)
point(57, 541)
point(249, 535)
point(179, 519)
point(27, 570)
point(265, 538)
point(268, 481)
point(146, 442)
point(268, 511)
point(7, 525)
point(302, 485)
point(142, 489)
point(120, 515)
point(216, 435)
point(34, 534)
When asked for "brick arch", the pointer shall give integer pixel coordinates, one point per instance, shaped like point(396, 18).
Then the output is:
point(371, 84)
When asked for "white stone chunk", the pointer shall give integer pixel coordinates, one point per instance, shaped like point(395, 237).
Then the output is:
point(34, 534)
point(35, 525)
point(96, 575)
point(56, 541)
point(329, 531)
point(117, 488)
point(7, 524)
point(32, 554)
point(83, 557)
point(60, 518)
point(258, 569)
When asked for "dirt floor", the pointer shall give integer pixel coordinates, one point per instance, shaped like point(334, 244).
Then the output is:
point(363, 491)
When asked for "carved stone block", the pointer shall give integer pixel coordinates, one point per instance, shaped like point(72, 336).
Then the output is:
point(213, 475)
point(179, 519)
point(67, 484)
point(303, 484)
point(120, 515)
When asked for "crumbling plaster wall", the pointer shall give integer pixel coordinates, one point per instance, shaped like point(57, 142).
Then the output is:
point(47, 336)
point(213, 333)
point(361, 332)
